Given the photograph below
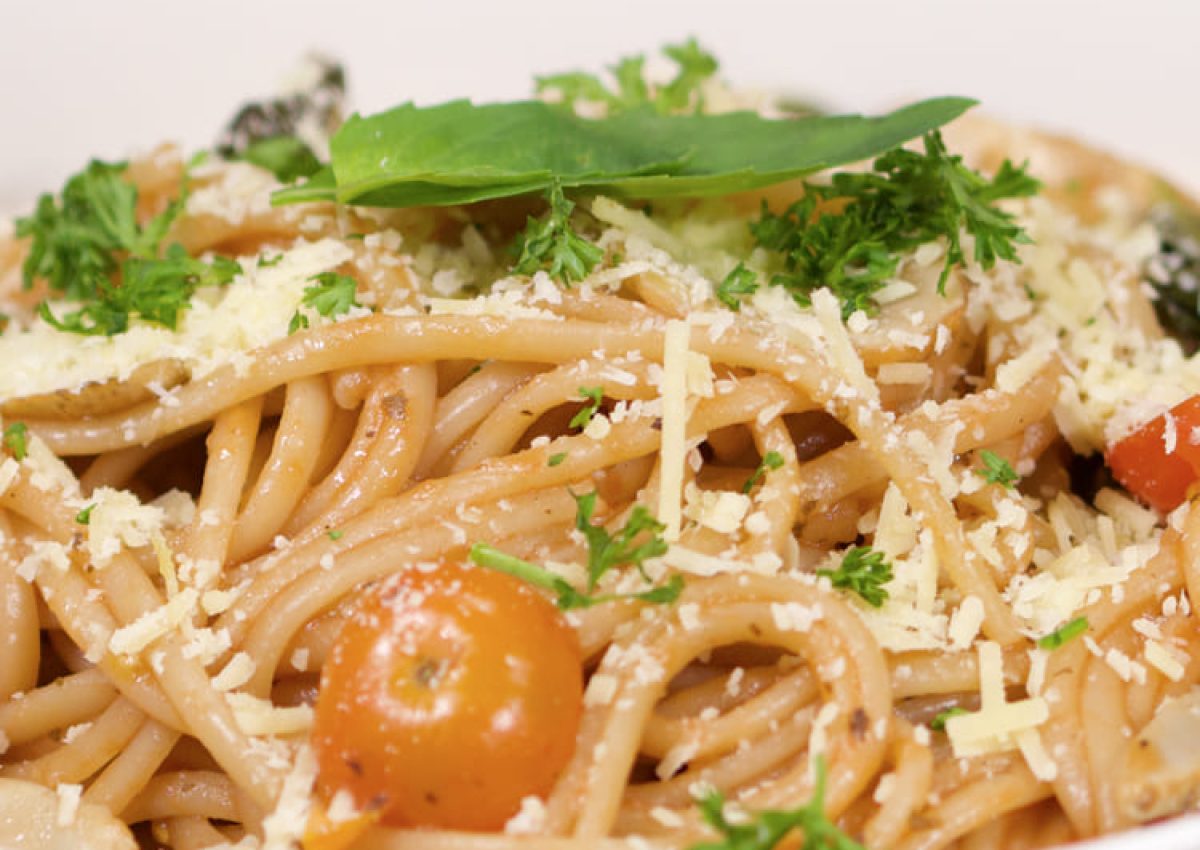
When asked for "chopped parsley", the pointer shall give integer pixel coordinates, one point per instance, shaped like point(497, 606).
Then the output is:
point(551, 244)
point(639, 539)
point(766, 829)
point(771, 460)
point(331, 295)
point(85, 516)
point(89, 248)
point(16, 440)
point(556, 459)
point(593, 396)
point(996, 470)
point(740, 281)
point(938, 724)
point(336, 535)
point(693, 65)
point(849, 235)
point(1063, 633)
point(864, 571)
point(286, 157)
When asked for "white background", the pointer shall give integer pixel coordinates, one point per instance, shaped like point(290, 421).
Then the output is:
point(79, 79)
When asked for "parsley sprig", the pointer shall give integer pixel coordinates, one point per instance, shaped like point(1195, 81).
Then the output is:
point(639, 539)
point(849, 235)
point(771, 460)
point(693, 66)
point(740, 281)
point(863, 571)
point(938, 724)
point(551, 243)
point(89, 247)
point(769, 827)
point(16, 439)
point(330, 295)
point(996, 470)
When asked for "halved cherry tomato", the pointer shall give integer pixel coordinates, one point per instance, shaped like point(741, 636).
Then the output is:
point(1145, 468)
point(448, 697)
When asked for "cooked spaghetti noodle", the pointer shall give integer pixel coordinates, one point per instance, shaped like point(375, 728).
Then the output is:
point(246, 485)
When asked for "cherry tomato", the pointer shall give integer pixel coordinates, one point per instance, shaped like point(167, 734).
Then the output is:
point(1145, 468)
point(448, 697)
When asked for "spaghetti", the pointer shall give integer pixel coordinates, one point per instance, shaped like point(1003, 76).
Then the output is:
point(243, 486)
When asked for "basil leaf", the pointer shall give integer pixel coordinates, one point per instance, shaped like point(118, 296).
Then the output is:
point(459, 152)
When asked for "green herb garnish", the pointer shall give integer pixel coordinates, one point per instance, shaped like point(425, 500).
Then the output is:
point(996, 470)
point(550, 243)
point(85, 516)
point(849, 235)
point(16, 436)
point(938, 724)
point(740, 281)
point(331, 295)
point(459, 152)
point(767, 828)
point(90, 248)
point(693, 64)
point(606, 551)
point(771, 460)
point(286, 157)
point(864, 571)
point(336, 535)
point(593, 395)
point(1063, 633)
point(556, 459)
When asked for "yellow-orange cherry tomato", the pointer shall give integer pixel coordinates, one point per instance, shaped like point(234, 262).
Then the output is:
point(449, 696)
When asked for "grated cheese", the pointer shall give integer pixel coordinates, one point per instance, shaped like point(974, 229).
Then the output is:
point(133, 638)
point(284, 827)
point(69, 794)
point(997, 724)
point(234, 674)
point(674, 427)
point(257, 716)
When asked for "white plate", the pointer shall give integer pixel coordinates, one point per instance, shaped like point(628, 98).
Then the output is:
point(83, 79)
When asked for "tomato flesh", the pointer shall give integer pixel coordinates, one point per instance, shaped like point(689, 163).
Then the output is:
point(449, 696)
point(1145, 468)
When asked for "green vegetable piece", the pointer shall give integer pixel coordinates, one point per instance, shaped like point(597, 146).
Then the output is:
point(938, 724)
point(286, 157)
point(16, 436)
point(556, 459)
point(768, 828)
point(606, 551)
point(996, 470)
point(458, 152)
point(771, 460)
point(864, 571)
point(85, 516)
point(552, 244)
point(593, 395)
point(740, 281)
point(1063, 633)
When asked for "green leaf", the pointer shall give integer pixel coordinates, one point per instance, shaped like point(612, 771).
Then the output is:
point(593, 395)
point(84, 517)
point(556, 459)
point(1063, 633)
point(606, 551)
point(286, 157)
point(771, 460)
point(740, 281)
point(459, 152)
point(553, 245)
point(863, 571)
point(332, 294)
point(766, 829)
point(15, 439)
point(997, 470)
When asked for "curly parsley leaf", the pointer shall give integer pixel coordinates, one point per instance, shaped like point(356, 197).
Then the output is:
point(330, 295)
point(89, 247)
point(566, 596)
point(771, 460)
point(84, 517)
point(863, 571)
point(693, 66)
point(593, 396)
point(606, 551)
point(15, 439)
point(996, 470)
point(1063, 633)
point(849, 235)
point(551, 243)
point(740, 281)
point(768, 828)
point(938, 724)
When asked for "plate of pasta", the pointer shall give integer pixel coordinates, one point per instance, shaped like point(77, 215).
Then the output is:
point(644, 464)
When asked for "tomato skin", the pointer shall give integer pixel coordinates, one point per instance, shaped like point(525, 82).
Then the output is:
point(449, 696)
point(1141, 463)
